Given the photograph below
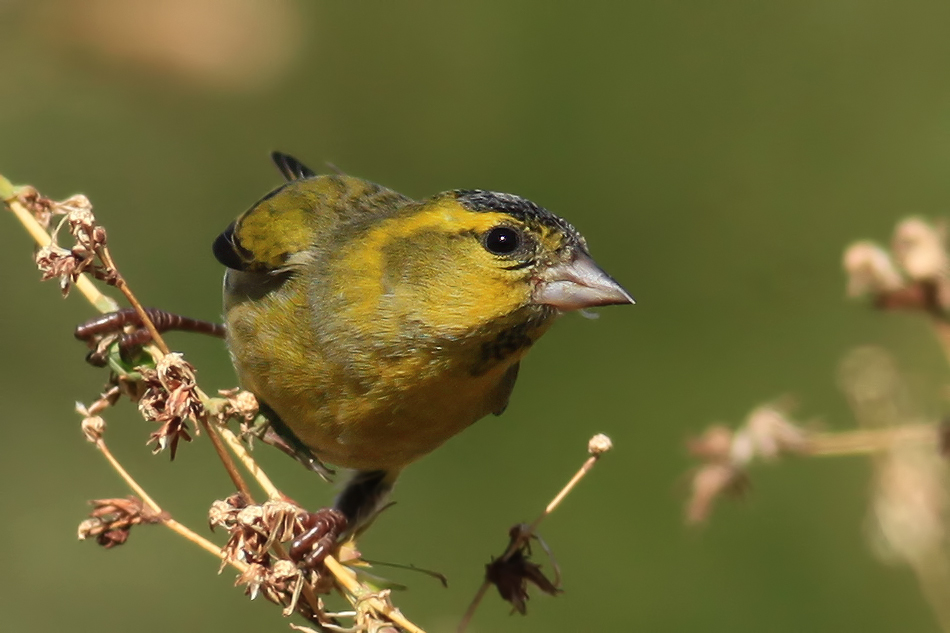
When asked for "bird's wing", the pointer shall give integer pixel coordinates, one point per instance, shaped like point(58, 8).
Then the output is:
point(503, 390)
point(287, 225)
point(290, 167)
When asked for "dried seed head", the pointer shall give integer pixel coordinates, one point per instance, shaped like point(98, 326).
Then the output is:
point(93, 427)
point(910, 506)
point(370, 609)
point(241, 404)
point(111, 520)
point(253, 529)
point(714, 444)
point(709, 483)
point(599, 444)
point(171, 398)
point(870, 270)
point(223, 512)
point(919, 249)
point(773, 433)
point(39, 206)
point(54, 261)
point(511, 574)
point(253, 578)
point(79, 217)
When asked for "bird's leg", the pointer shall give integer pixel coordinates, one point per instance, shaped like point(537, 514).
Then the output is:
point(114, 323)
point(353, 509)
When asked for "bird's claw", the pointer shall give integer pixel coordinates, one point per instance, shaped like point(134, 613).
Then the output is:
point(323, 528)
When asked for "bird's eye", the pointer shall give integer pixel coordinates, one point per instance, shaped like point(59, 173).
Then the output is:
point(502, 240)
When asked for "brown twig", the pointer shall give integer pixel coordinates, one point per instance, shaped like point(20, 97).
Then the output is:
point(123, 286)
point(170, 523)
point(236, 478)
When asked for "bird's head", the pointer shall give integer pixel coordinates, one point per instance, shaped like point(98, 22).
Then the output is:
point(467, 259)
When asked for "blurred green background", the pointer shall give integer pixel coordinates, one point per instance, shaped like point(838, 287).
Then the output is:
point(718, 157)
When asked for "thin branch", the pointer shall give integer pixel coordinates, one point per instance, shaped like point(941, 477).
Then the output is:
point(347, 579)
point(240, 451)
point(213, 432)
point(597, 446)
point(170, 523)
point(123, 286)
point(868, 441)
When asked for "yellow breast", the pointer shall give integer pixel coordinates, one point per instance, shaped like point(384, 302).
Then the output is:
point(356, 405)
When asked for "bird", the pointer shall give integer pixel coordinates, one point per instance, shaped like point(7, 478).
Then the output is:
point(372, 327)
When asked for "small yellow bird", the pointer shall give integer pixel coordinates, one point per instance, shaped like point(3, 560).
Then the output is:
point(373, 327)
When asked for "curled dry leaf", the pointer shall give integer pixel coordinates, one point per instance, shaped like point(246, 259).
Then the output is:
point(511, 574)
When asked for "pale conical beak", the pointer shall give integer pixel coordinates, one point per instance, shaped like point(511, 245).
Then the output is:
point(579, 284)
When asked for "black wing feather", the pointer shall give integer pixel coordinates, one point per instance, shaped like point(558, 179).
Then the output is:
point(290, 167)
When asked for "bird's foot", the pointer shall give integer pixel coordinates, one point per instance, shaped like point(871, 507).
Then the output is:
point(323, 528)
point(127, 327)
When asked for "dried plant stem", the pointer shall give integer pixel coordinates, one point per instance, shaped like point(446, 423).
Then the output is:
point(347, 579)
point(555, 502)
point(470, 612)
point(124, 474)
point(214, 434)
point(220, 433)
point(104, 303)
point(865, 442)
point(525, 535)
point(120, 283)
point(170, 523)
point(240, 451)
